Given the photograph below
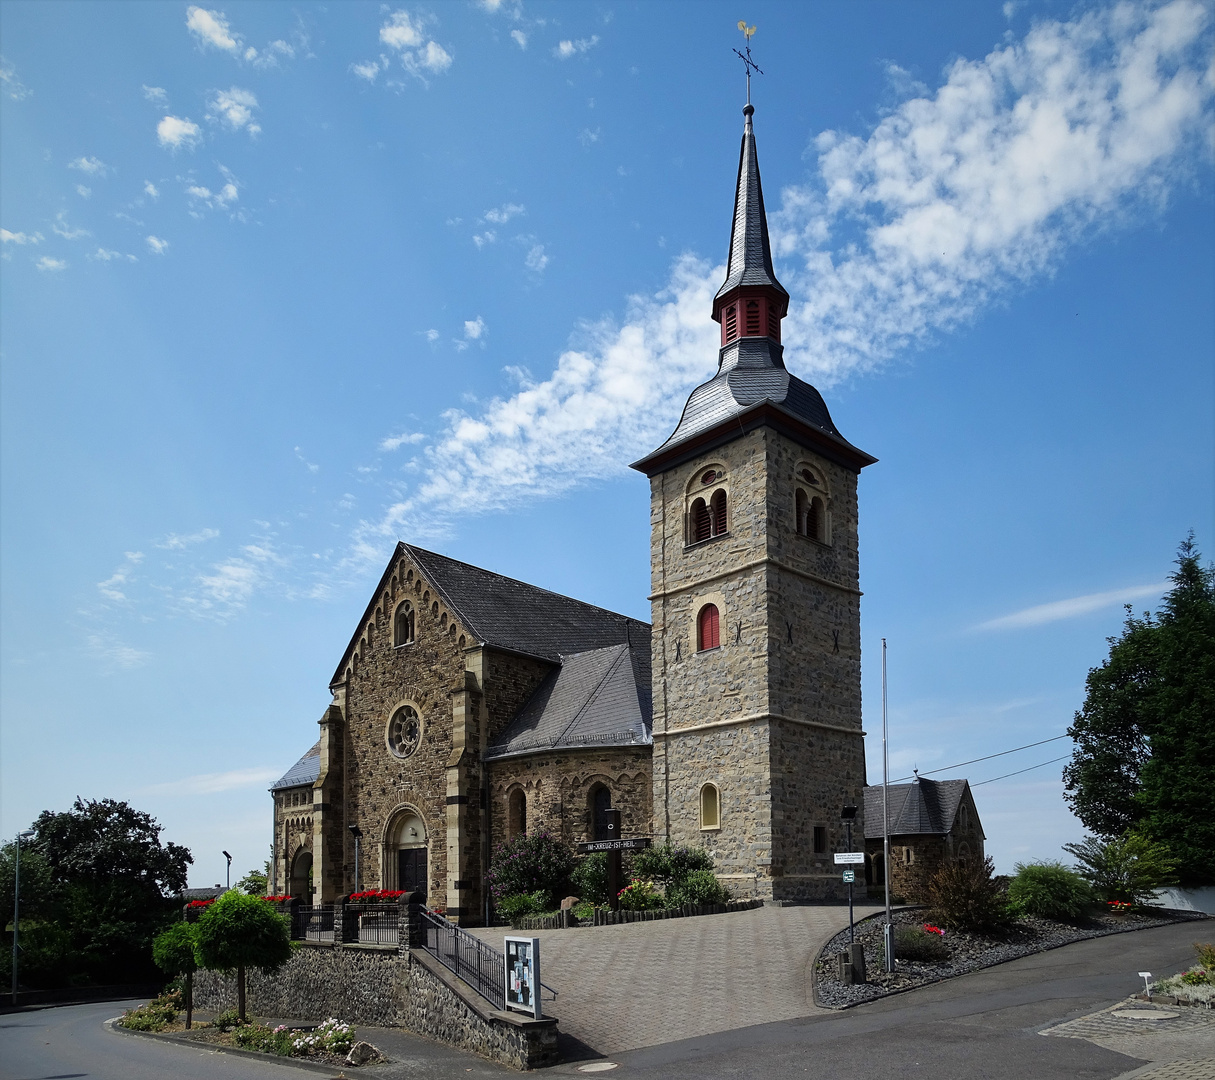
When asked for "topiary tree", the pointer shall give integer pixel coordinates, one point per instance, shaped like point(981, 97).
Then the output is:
point(239, 932)
point(173, 953)
point(1048, 890)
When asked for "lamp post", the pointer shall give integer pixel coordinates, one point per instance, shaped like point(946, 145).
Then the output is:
point(17, 903)
point(229, 858)
point(848, 816)
point(357, 833)
point(888, 926)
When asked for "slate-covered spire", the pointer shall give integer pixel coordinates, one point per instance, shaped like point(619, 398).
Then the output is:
point(750, 251)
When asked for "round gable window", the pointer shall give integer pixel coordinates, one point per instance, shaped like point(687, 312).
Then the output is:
point(404, 731)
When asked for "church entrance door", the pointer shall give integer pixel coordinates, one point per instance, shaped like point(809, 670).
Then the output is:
point(411, 869)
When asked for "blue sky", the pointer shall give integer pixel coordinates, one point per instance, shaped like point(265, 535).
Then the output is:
point(283, 283)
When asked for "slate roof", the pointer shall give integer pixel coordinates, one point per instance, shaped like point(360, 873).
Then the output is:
point(596, 698)
point(923, 807)
point(513, 615)
point(750, 260)
point(304, 771)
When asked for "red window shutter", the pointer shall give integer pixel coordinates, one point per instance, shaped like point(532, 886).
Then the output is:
point(702, 526)
point(719, 513)
point(709, 632)
point(731, 324)
point(753, 318)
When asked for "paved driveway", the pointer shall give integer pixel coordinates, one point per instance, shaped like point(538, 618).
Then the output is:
point(623, 987)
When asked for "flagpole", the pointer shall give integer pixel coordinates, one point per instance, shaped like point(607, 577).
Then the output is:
point(888, 929)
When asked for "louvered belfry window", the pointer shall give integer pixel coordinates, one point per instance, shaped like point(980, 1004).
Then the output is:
point(719, 513)
point(752, 318)
point(773, 322)
point(708, 635)
point(814, 526)
point(731, 323)
point(702, 522)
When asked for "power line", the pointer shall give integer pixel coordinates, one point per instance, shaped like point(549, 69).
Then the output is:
point(1002, 753)
point(1020, 771)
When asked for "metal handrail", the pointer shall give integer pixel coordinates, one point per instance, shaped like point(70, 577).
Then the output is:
point(467, 957)
point(313, 924)
point(373, 924)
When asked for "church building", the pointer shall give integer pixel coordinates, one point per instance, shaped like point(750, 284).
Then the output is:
point(469, 707)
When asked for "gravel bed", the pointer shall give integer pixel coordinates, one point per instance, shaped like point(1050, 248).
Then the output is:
point(968, 952)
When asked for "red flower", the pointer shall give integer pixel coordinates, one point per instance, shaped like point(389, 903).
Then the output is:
point(275, 899)
point(378, 894)
point(930, 929)
point(199, 903)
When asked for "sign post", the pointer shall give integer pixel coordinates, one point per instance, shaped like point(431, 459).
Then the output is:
point(523, 975)
point(613, 846)
point(850, 858)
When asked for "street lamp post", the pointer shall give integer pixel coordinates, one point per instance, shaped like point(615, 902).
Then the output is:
point(357, 833)
point(17, 903)
point(229, 858)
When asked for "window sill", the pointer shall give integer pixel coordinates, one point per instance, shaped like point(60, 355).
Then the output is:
point(710, 828)
point(707, 540)
point(815, 540)
point(701, 652)
point(404, 644)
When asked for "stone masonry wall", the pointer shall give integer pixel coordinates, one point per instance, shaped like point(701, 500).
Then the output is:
point(557, 786)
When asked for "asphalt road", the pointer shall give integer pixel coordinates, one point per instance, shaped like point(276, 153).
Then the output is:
point(982, 1026)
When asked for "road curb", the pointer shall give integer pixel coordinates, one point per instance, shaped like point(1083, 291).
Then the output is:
point(273, 1059)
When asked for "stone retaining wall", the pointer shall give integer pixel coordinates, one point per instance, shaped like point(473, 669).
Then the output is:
point(377, 986)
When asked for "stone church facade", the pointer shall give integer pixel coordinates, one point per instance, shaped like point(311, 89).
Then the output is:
point(469, 707)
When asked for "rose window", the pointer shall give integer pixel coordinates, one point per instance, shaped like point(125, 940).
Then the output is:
point(404, 732)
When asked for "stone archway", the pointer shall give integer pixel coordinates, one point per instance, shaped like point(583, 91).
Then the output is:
point(301, 876)
point(406, 863)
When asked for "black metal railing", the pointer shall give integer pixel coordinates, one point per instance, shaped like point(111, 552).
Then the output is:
point(467, 957)
point(312, 924)
point(373, 924)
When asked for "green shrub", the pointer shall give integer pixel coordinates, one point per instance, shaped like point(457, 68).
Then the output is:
point(1048, 890)
point(584, 909)
point(156, 1015)
point(668, 865)
point(227, 1020)
point(266, 1040)
point(589, 878)
point(1206, 955)
point(519, 906)
point(639, 895)
point(919, 946)
point(698, 887)
point(967, 896)
point(1130, 868)
point(533, 862)
point(1197, 977)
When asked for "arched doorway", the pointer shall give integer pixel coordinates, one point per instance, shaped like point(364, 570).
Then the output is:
point(301, 875)
point(406, 853)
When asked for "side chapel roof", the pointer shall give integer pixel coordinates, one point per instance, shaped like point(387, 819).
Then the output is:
point(304, 771)
point(923, 807)
point(596, 698)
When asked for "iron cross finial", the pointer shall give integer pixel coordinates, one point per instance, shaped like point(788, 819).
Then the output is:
point(751, 65)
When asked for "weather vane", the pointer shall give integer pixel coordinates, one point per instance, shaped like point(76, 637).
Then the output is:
point(751, 65)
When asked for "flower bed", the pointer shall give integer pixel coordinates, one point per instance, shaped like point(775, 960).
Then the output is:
point(967, 951)
point(377, 896)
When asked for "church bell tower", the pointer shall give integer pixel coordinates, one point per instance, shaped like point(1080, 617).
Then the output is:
point(756, 606)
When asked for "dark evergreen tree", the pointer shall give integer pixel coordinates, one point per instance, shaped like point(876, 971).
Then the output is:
point(1145, 739)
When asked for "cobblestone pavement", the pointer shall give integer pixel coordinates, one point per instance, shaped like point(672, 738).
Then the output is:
point(1183, 1038)
point(624, 987)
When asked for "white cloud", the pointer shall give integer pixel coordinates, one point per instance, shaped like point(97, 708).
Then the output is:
point(234, 108)
point(112, 587)
point(105, 255)
point(536, 260)
point(20, 237)
point(156, 245)
point(1071, 608)
point(61, 228)
point(116, 653)
point(500, 215)
point(566, 49)
point(232, 582)
point(151, 189)
point(903, 233)
point(214, 783)
point(474, 329)
point(589, 137)
point(368, 70)
point(13, 86)
point(215, 200)
point(310, 466)
point(420, 55)
point(520, 38)
point(395, 442)
point(155, 94)
point(211, 28)
point(176, 132)
point(487, 237)
point(175, 542)
point(84, 192)
point(91, 165)
point(432, 335)
point(52, 265)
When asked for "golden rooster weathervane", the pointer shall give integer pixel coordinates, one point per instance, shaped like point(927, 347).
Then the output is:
point(751, 65)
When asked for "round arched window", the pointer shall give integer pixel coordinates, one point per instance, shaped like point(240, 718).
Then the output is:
point(404, 731)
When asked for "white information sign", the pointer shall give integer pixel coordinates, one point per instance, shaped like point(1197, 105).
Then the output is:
point(849, 858)
point(523, 975)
